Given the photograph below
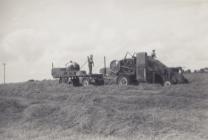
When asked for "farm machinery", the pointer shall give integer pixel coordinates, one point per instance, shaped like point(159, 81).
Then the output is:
point(139, 68)
point(73, 75)
point(143, 68)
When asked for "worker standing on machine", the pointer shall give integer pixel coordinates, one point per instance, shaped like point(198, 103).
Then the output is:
point(90, 63)
point(153, 54)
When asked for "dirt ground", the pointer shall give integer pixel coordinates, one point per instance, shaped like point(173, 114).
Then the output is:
point(44, 110)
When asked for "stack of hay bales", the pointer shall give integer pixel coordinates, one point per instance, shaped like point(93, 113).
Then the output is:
point(155, 65)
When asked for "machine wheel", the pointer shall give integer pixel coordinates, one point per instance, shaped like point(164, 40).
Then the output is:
point(167, 84)
point(85, 82)
point(123, 81)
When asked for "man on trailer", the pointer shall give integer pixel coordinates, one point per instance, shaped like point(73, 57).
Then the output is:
point(90, 63)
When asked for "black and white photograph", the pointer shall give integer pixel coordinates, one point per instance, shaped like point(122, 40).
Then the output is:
point(103, 69)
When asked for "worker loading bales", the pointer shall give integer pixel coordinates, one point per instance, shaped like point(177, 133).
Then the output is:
point(90, 63)
point(72, 74)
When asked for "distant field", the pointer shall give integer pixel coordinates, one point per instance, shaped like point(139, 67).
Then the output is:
point(46, 110)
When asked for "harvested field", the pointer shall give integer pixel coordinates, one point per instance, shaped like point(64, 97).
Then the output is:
point(44, 110)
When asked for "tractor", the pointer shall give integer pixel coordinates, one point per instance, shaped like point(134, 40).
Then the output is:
point(140, 68)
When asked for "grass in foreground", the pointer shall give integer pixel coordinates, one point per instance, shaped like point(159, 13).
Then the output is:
point(49, 111)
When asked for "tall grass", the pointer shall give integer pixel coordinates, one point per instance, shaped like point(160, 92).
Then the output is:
point(46, 110)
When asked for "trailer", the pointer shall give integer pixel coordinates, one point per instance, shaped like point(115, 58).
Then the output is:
point(76, 77)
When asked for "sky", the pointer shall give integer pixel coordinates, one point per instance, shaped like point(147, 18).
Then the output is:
point(35, 33)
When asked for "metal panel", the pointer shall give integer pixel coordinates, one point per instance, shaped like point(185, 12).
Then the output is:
point(141, 61)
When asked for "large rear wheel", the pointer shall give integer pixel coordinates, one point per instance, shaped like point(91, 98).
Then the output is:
point(123, 81)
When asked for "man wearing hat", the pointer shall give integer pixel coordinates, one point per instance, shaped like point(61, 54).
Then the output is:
point(90, 63)
point(153, 54)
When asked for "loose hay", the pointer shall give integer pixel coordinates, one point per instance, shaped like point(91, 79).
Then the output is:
point(148, 110)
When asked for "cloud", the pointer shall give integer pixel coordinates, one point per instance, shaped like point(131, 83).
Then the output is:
point(60, 31)
point(24, 44)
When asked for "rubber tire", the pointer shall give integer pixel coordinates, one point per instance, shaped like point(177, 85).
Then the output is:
point(167, 84)
point(85, 82)
point(123, 81)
